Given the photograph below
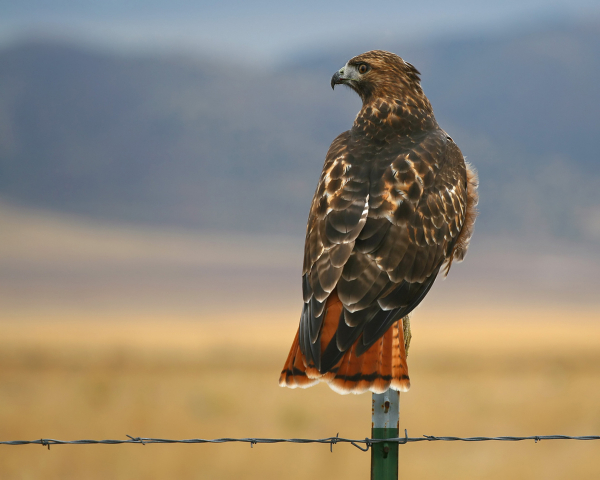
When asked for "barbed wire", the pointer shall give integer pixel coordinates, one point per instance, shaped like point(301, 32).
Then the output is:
point(331, 441)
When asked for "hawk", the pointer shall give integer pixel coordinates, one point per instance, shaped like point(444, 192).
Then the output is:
point(395, 205)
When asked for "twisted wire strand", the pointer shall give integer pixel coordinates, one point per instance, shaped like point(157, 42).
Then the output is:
point(331, 441)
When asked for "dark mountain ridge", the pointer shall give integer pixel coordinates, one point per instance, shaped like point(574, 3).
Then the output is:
point(216, 146)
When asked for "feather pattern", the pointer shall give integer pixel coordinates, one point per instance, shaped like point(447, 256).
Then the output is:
point(395, 203)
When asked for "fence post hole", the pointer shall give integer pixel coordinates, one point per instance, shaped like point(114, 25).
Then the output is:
point(385, 424)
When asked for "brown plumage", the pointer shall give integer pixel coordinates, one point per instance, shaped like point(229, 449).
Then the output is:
point(395, 204)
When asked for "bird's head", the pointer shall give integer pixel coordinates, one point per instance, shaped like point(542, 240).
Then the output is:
point(379, 74)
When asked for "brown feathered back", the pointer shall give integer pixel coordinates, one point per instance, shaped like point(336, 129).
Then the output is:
point(395, 202)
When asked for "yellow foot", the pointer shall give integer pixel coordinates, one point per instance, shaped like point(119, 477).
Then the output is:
point(407, 334)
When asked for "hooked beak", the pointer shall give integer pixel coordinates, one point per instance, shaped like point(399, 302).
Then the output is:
point(336, 79)
point(347, 75)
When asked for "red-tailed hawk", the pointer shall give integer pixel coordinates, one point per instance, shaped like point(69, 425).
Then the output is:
point(395, 204)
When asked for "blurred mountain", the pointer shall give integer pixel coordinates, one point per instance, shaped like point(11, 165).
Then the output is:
point(215, 145)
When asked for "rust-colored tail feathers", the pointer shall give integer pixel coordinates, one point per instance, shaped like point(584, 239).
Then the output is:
point(381, 367)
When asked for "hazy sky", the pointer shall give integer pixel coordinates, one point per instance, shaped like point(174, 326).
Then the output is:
point(269, 29)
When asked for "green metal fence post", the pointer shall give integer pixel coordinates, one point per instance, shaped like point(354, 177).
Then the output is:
point(385, 424)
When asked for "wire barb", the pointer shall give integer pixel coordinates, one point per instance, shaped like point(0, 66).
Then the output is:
point(136, 439)
point(365, 441)
point(333, 442)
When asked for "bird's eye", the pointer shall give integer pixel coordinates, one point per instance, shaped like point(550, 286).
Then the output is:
point(363, 68)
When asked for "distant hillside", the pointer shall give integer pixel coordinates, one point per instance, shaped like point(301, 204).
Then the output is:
point(218, 146)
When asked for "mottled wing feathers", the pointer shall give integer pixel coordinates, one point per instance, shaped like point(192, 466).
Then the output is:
point(382, 223)
point(337, 215)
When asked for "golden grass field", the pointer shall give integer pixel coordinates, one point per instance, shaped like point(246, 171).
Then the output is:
point(108, 331)
point(537, 373)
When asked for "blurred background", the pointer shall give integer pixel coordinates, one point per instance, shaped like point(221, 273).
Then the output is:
point(157, 162)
